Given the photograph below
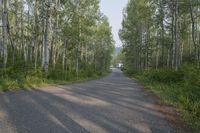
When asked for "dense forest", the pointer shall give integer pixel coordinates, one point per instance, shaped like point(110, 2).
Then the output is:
point(52, 40)
point(161, 48)
point(159, 34)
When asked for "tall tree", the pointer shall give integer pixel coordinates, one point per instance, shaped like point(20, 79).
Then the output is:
point(5, 31)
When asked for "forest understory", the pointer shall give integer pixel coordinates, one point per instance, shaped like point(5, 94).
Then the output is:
point(14, 79)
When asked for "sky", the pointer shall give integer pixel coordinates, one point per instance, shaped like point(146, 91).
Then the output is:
point(113, 10)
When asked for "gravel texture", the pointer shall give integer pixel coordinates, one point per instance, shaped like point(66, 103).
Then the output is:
point(113, 104)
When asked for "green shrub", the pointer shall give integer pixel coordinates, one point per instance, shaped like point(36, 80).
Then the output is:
point(164, 76)
point(132, 72)
point(181, 88)
point(191, 75)
point(23, 77)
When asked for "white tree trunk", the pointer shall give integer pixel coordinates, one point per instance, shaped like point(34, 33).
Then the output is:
point(5, 32)
point(46, 42)
point(1, 28)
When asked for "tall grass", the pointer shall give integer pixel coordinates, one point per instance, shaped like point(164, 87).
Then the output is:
point(18, 78)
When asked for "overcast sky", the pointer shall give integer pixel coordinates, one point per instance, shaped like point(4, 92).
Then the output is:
point(113, 10)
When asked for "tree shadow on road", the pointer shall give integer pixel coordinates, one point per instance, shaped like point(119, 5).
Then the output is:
point(93, 107)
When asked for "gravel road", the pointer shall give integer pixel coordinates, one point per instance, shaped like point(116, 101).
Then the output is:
point(113, 104)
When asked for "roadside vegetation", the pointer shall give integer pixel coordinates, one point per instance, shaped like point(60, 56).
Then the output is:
point(57, 41)
point(179, 88)
point(161, 49)
point(15, 79)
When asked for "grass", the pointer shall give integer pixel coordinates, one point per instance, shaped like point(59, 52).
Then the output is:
point(14, 79)
point(179, 88)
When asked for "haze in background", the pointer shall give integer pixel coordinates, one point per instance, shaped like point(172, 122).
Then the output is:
point(113, 10)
